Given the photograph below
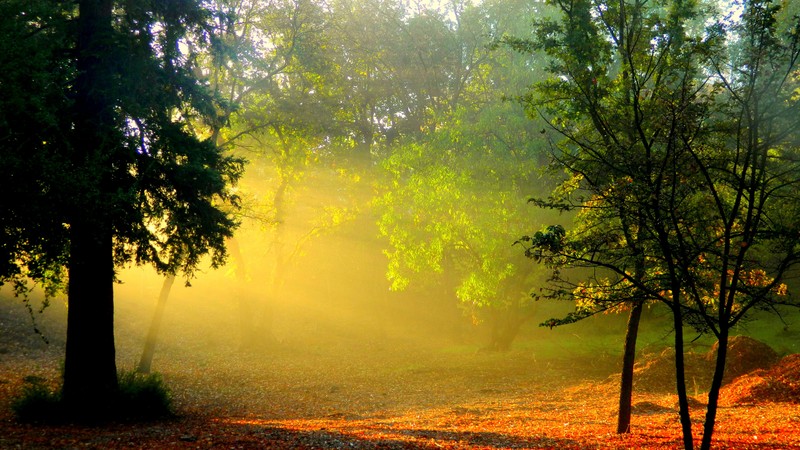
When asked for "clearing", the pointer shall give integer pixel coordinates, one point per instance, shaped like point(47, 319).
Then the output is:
point(388, 393)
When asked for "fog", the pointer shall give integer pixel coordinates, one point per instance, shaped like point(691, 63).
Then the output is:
point(330, 289)
point(333, 292)
point(332, 340)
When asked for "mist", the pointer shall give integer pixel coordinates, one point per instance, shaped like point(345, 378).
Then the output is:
point(398, 224)
point(333, 338)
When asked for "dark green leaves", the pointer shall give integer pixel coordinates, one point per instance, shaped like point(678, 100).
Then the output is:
point(549, 241)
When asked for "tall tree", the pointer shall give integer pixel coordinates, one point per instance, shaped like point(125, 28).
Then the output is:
point(449, 211)
point(252, 47)
point(136, 185)
point(33, 149)
point(686, 174)
point(753, 184)
point(287, 123)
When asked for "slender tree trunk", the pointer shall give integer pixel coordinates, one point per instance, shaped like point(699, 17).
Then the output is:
point(281, 259)
point(680, 379)
point(258, 322)
point(90, 373)
point(628, 360)
point(265, 325)
point(713, 394)
point(155, 326)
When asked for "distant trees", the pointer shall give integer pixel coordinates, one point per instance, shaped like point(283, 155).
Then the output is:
point(680, 129)
point(283, 86)
point(268, 67)
point(454, 190)
point(119, 175)
point(377, 89)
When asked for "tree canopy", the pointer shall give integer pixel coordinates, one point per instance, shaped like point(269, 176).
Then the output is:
point(679, 129)
point(672, 126)
point(99, 105)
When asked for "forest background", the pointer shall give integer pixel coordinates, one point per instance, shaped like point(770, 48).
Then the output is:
point(384, 135)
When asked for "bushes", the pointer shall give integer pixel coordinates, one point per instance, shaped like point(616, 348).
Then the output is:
point(143, 397)
point(140, 398)
point(38, 402)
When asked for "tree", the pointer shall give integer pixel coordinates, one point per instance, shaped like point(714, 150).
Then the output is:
point(687, 176)
point(609, 62)
point(250, 44)
point(287, 123)
point(752, 237)
point(33, 117)
point(449, 211)
point(136, 185)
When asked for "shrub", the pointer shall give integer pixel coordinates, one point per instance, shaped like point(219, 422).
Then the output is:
point(143, 397)
point(140, 398)
point(37, 403)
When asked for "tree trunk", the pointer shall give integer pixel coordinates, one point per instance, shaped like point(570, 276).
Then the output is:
point(713, 394)
point(505, 327)
point(265, 326)
point(258, 325)
point(680, 379)
point(504, 331)
point(90, 373)
point(628, 359)
point(152, 334)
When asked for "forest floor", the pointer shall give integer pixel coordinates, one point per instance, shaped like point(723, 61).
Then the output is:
point(432, 401)
point(382, 394)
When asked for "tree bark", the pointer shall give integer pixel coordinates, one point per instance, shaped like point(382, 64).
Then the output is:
point(628, 360)
point(680, 379)
point(713, 394)
point(90, 373)
point(155, 326)
point(505, 329)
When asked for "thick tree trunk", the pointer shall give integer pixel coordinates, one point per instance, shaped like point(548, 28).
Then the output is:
point(713, 394)
point(155, 326)
point(628, 360)
point(90, 371)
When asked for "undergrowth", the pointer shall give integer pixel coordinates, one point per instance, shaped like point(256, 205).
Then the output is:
point(139, 398)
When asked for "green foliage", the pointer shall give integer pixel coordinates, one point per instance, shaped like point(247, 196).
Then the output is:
point(643, 184)
point(139, 398)
point(452, 211)
point(454, 192)
point(164, 184)
point(548, 241)
point(37, 403)
point(143, 397)
point(33, 118)
point(680, 129)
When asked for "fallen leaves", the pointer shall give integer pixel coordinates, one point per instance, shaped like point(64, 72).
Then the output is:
point(405, 397)
point(453, 402)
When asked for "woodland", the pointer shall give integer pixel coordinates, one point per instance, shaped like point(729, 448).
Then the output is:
point(399, 224)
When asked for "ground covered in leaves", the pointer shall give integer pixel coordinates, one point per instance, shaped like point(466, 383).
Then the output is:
point(388, 393)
